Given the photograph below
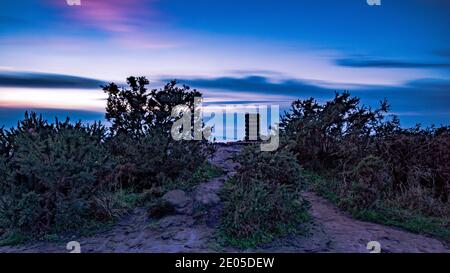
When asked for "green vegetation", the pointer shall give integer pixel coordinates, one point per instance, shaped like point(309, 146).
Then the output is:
point(263, 200)
point(57, 177)
point(204, 172)
point(62, 177)
point(372, 167)
point(68, 177)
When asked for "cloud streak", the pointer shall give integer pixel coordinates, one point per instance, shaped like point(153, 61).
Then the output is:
point(257, 84)
point(426, 96)
point(110, 15)
point(47, 80)
point(133, 24)
point(385, 63)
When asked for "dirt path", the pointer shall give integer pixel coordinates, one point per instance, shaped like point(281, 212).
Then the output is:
point(192, 229)
point(349, 235)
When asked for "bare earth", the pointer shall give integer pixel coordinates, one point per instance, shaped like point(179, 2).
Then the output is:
point(193, 228)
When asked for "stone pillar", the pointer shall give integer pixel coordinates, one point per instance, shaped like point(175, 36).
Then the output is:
point(252, 127)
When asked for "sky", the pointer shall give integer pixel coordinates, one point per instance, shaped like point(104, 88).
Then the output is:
point(54, 56)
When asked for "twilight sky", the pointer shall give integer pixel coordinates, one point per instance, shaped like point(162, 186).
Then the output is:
point(54, 57)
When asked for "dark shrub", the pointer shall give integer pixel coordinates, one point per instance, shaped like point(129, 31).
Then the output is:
point(62, 176)
point(327, 136)
point(365, 184)
point(417, 162)
point(372, 160)
point(279, 167)
point(137, 111)
point(262, 201)
point(155, 160)
point(140, 134)
point(58, 179)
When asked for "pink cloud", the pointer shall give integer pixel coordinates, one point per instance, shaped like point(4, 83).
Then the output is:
point(111, 15)
point(135, 24)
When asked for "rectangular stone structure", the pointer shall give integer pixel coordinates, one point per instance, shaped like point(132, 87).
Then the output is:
point(252, 127)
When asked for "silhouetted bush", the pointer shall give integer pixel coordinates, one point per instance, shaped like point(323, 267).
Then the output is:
point(318, 134)
point(60, 176)
point(374, 161)
point(136, 111)
point(140, 134)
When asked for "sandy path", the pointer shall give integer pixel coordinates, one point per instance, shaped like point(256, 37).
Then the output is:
point(350, 235)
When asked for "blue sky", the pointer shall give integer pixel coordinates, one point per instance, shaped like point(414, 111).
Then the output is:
point(54, 56)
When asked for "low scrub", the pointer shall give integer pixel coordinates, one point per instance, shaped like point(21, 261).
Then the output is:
point(262, 201)
point(370, 162)
point(58, 177)
point(62, 177)
point(140, 138)
point(155, 161)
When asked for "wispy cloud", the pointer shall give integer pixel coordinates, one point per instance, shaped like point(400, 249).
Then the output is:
point(386, 63)
point(262, 72)
point(46, 80)
point(258, 84)
point(134, 24)
point(426, 96)
point(110, 15)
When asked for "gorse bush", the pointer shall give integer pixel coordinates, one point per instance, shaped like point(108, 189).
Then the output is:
point(366, 184)
point(256, 212)
point(154, 160)
point(140, 134)
point(418, 157)
point(279, 168)
point(57, 176)
point(137, 110)
point(327, 136)
point(373, 162)
point(62, 176)
point(262, 201)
